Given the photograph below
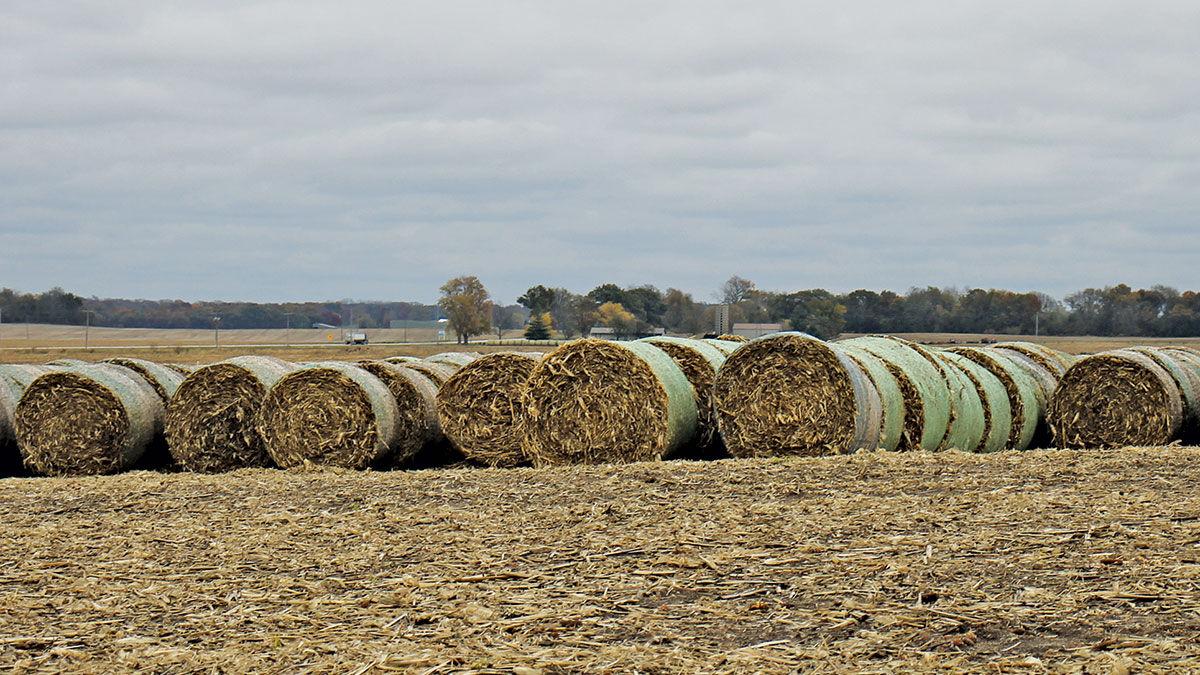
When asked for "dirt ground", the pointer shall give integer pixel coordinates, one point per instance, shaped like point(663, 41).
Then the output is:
point(1018, 562)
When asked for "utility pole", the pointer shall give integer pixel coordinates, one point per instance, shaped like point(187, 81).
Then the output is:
point(216, 331)
point(287, 338)
point(1037, 317)
point(1, 318)
point(87, 325)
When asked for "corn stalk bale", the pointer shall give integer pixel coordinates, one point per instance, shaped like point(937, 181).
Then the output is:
point(732, 337)
point(210, 421)
point(20, 375)
point(923, 384)
point(437, 373)
point(329, 413)
point(401, 359)
point(593, 401)
point(1026, 405)
point(727, 347)
point(14, 379)
point(993, 400)
point(86, 420)
point(68, 363)
point(164, 379)
point(967, 425)
point(891, 398)
point(181, 368)
point(416, 407)
point(699, 362)
point(793, 394)
point(1184, 368)
point(1116, 399)
point(1051, 359)
point(455, 359)
point(480, 409)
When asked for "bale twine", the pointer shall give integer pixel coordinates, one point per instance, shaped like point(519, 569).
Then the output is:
point(924, 386)
point(699, 362)
point(727, 347)
point(792, 394)
point(437, 373)
point(994, 406)
point(455, 359)
point(331, 414)
point(1116, 399)
point(210, 421)
point(416, 409)
point(1026, 406)
point(1051, 359)
point(732, 337)
point(592, 401)
point(480, 410)
point(164, 379)
point(86, 420)
point(891, 398)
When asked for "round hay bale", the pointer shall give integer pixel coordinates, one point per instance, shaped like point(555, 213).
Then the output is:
point(21, 375)
point(86, 420)
point(416, 407)
point(891, 398)
point(455, 359)
point(732, 337)
point(401, 359)
point(727, 347)
point(1184, 368)
point(1026, 406)
point(792, 394)
point(1116, 399)
point(479, 408)
point(329, 413)
point(210, 421)
point(13, 381)
point(924, 385)
point(68, 363)
point(437, 373)
point(994, 408)
point(593, 401)
point(699, 362)
point(163, 379)
point(1051, 359)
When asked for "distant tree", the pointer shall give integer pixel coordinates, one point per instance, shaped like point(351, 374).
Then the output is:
point(537, 299)
point(607, 293)
point(682, 313)
point(735, 289)
point(504, 318)
point(537, 329)
point(816, 312)
point(613, 315)
point(647, 304)
point(467, 305)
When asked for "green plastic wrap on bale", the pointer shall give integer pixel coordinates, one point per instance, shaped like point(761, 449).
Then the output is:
point(1055, 361)
point(967, 425)
point(928, 381)
point(727, 347)
point(1026, 404)
point(164, 379)
point(891, 399)
point(681, 410)
point(993, 397)
point(1184, 369)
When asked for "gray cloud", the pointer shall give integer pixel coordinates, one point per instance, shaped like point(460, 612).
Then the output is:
point(294, 151)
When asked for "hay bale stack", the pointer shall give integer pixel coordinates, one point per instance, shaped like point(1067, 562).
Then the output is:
point(1051, 359)
point(329, 413)
point(727, 347)
point(1116, 399)
point(164, 379)
point(437, 373)
point(732, 337)
point(923, 385)
point(1184, 367)
point(1026, 404)
point(593, 401)
point(994, 407)
point(454, 359)
point(210, 421)
point(699, 362)
point(792, 394)
point(480, 411)
point(891, 398)
point(416, 407)
point(86, 420)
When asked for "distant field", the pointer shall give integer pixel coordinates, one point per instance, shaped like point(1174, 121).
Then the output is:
point(36, 343)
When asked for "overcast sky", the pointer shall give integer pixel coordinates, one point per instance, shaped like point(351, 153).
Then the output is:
point(291, 151)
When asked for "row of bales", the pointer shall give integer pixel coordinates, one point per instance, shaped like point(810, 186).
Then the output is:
point(593, 401)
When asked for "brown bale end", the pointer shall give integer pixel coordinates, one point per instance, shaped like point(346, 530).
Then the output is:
point(732, 337)
point(480, 409)
point(416, 407)
point(699, 362)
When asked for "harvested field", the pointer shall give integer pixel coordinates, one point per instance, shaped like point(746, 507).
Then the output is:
point(878, 562)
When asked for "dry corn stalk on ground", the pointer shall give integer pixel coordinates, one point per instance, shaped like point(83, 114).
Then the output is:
point(1014, 562)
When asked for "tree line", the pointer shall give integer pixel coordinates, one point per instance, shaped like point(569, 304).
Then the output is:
point(1119, 310)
